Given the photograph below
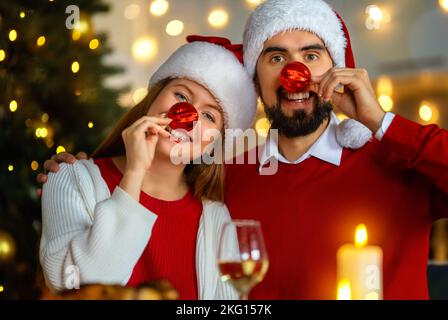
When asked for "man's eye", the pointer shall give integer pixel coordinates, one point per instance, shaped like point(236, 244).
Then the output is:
point(311, 57)
point(181, 97)
point(277, 59)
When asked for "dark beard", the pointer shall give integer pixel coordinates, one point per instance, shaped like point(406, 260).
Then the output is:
point(299, 124)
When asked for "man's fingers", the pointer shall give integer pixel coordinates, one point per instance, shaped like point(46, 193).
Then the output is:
point(64, 157)
point(39, 192)
point(51, 166)
point(42, 178)
point(82, 156)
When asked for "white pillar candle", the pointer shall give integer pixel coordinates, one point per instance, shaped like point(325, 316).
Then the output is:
point(360, 269)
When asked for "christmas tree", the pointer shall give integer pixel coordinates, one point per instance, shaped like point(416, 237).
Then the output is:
point(52, 98)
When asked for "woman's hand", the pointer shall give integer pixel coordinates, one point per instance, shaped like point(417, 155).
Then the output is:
point(140, 140)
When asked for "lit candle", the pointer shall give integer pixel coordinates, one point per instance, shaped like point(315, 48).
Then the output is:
point(360, 269)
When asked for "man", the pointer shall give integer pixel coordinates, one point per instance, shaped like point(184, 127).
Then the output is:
point(396, 185)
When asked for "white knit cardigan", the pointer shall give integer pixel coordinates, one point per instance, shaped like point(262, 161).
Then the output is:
point(104, 235)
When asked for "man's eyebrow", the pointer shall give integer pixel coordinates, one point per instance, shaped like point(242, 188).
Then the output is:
point(315, 46)
point(273, 49)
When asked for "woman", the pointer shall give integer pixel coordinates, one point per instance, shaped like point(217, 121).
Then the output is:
point(131, 215)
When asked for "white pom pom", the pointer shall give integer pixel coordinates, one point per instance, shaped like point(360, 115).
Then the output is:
point(352, 134)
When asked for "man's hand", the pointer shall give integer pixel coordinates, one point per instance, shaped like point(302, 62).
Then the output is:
point(52, 165)
point(358, 101)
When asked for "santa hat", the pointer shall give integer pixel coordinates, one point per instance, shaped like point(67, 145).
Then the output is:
point(316, 16)
point(216, 64)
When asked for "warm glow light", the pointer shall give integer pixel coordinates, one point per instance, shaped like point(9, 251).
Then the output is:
point(342, 116)
point(22, 14)
point(159, 7)
point(40, 41)
point(444, 4)
point(90, 124)
point(60, 149)
point(375, 13)
point(75, 66)
point(93, 44)
point(144, 49)
point(132, 11)
point(175, 27)
point(253, 3)
point(384, 86)
point(41, 132)
point(344, 290)
point(34, 165)
point(262, 126)
point(13, 35)
point(218, 18)
point(82, 26)
point(139, 94)
point(44, 118)
point(425, 112)
point(76, 35)
point(386, 102)
point(2, 289)
point(2, 55)
point(13, 106)
point(10, 168)
point(361, 236)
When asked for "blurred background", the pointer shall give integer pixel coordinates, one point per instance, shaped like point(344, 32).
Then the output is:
point(62, 90)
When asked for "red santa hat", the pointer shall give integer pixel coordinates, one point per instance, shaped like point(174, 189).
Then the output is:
point(316, 16)
point(216, 64)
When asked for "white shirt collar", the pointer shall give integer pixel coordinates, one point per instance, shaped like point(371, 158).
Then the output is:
point(325, 148)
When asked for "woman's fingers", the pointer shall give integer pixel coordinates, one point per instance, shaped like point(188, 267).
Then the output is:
point(63, 157)
point(82, 156)
point(51, 166)
point(42, 178)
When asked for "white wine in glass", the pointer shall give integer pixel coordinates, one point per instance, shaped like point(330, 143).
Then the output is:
point(242, 257)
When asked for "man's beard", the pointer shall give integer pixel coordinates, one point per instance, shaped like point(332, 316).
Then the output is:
point(300, 123)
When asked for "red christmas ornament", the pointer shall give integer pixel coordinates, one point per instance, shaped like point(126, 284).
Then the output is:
point(295, 77)
point(183, 115)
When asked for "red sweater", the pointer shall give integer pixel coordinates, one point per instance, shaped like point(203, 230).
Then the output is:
point(397, 187)
point(170, 253)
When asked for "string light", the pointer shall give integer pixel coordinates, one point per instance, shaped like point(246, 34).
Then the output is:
point(444, 4)
point(375, 17)
point(428, 112)
point(174, 28)
point(34, 165)
point(94, 44)
point(76, 35)
point(41, 41)
point(41, 132)
point(262, 127)
point(2, 289)
point(44, 118)
point(10, 168)
point(12, 35)
point(2, 55)
point(90, 124)
point(159, 7)
point(386, 102)
point(218, 18)
point(60, 149)
point(253, 3)
point(22, 14)
point(75, 67)
point(144, 49)
point(13, 106)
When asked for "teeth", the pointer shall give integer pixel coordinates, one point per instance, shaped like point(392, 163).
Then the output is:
point(298, 96)
point(180, 135)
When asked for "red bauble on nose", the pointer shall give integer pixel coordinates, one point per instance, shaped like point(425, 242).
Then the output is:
point(295, 77)
point(183, 115)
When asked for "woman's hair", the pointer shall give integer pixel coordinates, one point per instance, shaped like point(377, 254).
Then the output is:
point(206, 181)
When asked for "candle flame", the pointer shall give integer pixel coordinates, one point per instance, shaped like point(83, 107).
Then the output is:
point(361, 236)
point(344, 290)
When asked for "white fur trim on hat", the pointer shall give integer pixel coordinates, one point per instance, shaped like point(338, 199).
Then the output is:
point(275, 16)
point(218, 70)
point(352, 134)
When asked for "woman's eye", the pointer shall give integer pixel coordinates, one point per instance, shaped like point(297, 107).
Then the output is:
point(209, 117)
point(277, 59)
point(181, 97)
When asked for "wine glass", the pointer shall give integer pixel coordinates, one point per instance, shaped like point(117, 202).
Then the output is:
point(242, 257)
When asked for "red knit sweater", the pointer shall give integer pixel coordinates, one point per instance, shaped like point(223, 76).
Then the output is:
point(170, 253)
point(397, 187)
